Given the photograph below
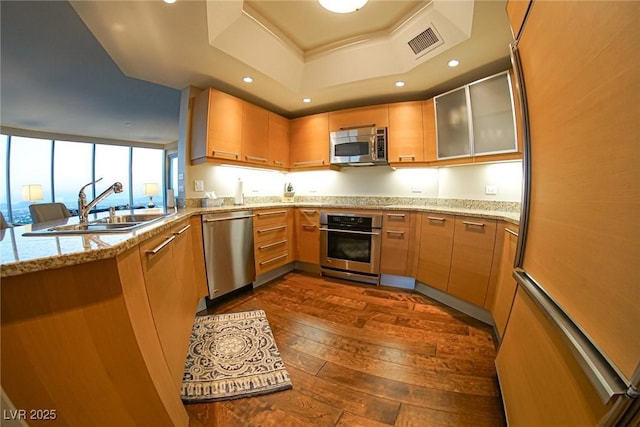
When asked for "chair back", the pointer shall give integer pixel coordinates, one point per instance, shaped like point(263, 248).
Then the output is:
point(42, 212)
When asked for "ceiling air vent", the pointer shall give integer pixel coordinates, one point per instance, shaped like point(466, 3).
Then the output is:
point(427, 40)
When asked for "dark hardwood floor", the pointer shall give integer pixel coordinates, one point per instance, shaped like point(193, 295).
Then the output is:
point(361, 355)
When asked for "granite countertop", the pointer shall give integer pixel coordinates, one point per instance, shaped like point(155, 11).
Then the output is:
point(20, 254)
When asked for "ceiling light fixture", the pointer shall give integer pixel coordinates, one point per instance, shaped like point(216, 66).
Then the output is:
point(169, 1)
point(306, 100)
point(247, 79)
point(400, 83)
point(342, 6)
point(453, 63)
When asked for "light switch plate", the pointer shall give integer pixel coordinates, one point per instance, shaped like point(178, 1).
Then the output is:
point(199, 185)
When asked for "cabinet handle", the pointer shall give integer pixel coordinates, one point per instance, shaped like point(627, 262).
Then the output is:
point(256, 159)
point(309, 162)
point(401, 233)
point(309, 226)
point(435, 218)
point(278, 162)
point(511, 232)
point(270, 245)
point(161, 246)
point(408, 156)
point(269, 261)
point(226, 153)
point(266, 230)
point(182, 230)
point(308, 211)
point(396, 215)
point(476, 224)
point(271, 213)
point(365, 125)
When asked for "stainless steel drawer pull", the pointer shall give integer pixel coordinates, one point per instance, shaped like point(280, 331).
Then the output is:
point(408, 156)
point(182, 230)
point(256, 159)
point(266, 230)
point(435, 218)
point(309, 226)
point(278, 162)
point(226, 153)
point(475, 224)
point(309, 162)
point(401, 233)
point(161, 246)
point(271, 213)
point(511, 232)
point(269, 261)
point(308, 211)
point(396, 215)
point(270, 245)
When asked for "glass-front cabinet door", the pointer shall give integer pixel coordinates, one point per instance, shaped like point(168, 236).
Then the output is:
point(452, 124)
point(476, 119)
point(492, 117)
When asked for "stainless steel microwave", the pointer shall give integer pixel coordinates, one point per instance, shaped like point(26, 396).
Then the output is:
point(359, 147)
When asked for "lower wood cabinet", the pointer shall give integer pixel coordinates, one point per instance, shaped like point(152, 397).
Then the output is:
point(541, 381)
point(307, 222)
point(471, 259)
point(436, 245)
point(398, 250)
point(272, 238)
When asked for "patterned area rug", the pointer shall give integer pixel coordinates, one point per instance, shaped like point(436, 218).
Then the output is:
point(232, 356)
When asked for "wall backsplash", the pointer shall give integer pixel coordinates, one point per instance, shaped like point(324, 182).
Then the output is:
point(457, 182)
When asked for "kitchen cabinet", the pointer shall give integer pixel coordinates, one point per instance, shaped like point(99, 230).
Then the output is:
point(429, 130)
point(173, 297)
point(516, 11)
point(273, 238)
point(216, 128)
point(476, 119)
point(307, 236)
point(278, 146)
point(436, 245)
point(505, 286)
point(406, 133)
point(541, 381)
point(398, 248)
point(310, 142)
point(471, 259)
point(254, 134)
point(371, 116)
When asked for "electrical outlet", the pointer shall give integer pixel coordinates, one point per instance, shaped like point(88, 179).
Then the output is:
point(199, 185)
point(491, 189)
point(416, 189)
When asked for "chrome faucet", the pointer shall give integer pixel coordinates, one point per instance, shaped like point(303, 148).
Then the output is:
point(84, 207)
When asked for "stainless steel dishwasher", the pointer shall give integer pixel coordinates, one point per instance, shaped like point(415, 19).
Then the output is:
point(228, 251)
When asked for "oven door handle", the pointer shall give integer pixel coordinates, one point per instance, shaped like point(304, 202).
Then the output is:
point(368, 233)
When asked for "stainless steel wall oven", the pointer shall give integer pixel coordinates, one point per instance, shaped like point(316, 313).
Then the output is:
point(350, 246)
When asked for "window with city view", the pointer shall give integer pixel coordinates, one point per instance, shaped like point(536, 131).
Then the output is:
point(60, 168)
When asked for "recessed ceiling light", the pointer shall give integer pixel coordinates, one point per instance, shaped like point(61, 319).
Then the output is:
point(306, 100)
point(342, 6)
point(453, 63)
point(169, 1)
point(400, 83)
point(247, 79)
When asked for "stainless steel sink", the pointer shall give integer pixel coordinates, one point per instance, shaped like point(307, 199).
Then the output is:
point(107, 225)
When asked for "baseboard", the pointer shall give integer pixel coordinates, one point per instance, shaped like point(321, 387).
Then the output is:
point(273, 274)
point(472, 310)
point(398, 281)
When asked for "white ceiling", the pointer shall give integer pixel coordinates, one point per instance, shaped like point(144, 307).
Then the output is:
point(140, 54)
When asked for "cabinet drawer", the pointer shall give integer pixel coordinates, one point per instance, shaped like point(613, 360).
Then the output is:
point(267, 218)
point(277, 259)
point(270, 234)
point(395, 220)
point(272, 249)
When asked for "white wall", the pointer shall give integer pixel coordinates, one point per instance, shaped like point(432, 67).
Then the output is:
point(456, 182)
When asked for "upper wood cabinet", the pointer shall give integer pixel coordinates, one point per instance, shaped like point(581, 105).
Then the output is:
point(216, 126)
point(406, 132)
point(255, 134)
point(278, 147)
point(517, 11)
point(429, 130)
point(309, 141)
point(375, 115)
